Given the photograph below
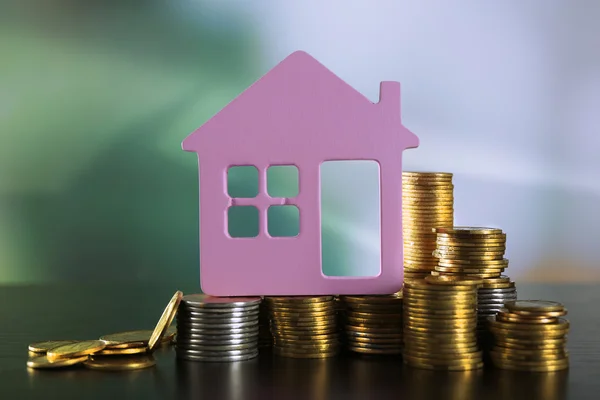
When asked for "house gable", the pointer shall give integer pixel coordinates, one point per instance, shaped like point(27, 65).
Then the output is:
point(296, 91)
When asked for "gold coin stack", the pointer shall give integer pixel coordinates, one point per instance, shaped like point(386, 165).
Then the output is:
point(529, 335)
point(427, 202)
point(304, 327)
point(477, 252)
point(265, 339)
point(373, 324)
point(115, 352)
point(440, 322)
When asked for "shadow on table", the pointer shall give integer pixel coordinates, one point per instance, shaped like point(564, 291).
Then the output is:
point(272, 377)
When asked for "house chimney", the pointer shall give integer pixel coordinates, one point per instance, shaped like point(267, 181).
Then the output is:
point(389, 96)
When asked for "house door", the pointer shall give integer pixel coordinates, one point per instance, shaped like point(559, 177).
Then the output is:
point(350, 218)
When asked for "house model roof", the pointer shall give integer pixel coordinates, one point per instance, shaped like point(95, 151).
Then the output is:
point(301, 102)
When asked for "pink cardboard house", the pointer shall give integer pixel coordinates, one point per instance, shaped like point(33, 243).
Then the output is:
point(298, 114)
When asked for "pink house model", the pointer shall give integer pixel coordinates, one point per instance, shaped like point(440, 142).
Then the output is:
point(299, 114)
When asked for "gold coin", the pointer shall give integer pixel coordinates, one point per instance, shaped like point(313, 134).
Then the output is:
point(298, 300)
point(426, 175)
point(469, 230)
point(372, 308)
point(165, 320)
point(122, 363)
point(326, 337)
point(542, 368)
point(466, 275)
point(468, 242)
point(496, 285)
point(562, 325)
point(537, 363)
point(427, 296)
point(473, 263)
point(523, 333)
point(529, 357)
point(302, 314)
point(458, 305)
point(42, 362)
point(453, 281)
point(366, 339)
point(518, 344)
point(449, 322)
point(278, 330)
point(471, 238)
point(422, 361)
point(505, 316)
point(537, 306)
point(43, 347)
point(445, 348)
point(423, 290)
point(537, 314)
point(386, 299)
point(293, 354)
point(308, 319)
point(283, 342)
point(470, 270)
point(450, 330)
point(133, 338)
point(77, 349)
point(304, 309)
point(425, 285)
point(123, 351)
point(500, 279)
point(374, 316)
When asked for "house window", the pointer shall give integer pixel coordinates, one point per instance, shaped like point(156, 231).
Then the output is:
point(242, 181)
point(242, 221)
point(282, 181)
point(283, 221)
point(350, 218)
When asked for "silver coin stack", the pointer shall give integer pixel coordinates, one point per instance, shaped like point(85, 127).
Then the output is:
point(217, 329)
point(490, 299)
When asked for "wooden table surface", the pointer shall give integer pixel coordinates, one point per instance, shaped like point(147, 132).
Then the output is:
point(34, 313)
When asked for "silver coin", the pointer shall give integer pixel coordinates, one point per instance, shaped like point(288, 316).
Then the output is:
point(222, 347)
point(211, 321)
point(205, 301)
point(494, 301)
point(211, 330)
point(215, 353)
point(496, 291)
point(223, 358)
point(212, 315)
point(216, 342)
point(496, 295)
point(216, 325)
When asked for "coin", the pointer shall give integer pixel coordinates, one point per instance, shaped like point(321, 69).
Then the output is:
point(165, 320)
point(42, 362)
point(125, 351)
point(121, 363)
point(43, 347)
point(133, 338)
point(221, 358)
point(77, 349)
point(210, 302)
point(534, 306)
point(453, 280)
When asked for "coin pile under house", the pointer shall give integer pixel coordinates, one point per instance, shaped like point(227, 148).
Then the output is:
point(217, 328)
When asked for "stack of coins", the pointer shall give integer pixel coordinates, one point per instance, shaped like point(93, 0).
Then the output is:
point(217, 328)
point(440, 322)
point(265, 339)
point(373, 324)
point(304, 327)
point(477, 252)
point(529, 335)
point(492, 296)
point(427, 202)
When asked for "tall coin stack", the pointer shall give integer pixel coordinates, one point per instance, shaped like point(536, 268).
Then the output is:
point(477, 252)
point(440, 322)
point(373, 324)
point(304, 327)
point(427, 202)
point(265, 339)
point(217, 328)
point(529, 335)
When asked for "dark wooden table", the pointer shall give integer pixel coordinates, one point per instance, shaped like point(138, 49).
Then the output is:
point(33, 313)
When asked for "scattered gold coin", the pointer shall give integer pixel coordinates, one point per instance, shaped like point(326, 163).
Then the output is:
point(43, 362)
point(165, 321)
point(122, 363)
point(71, 350)
point(43, 347)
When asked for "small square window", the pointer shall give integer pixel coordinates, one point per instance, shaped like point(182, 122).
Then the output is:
point(283, 221)
point(242, 181)
point(282, 181)
point(242, 221)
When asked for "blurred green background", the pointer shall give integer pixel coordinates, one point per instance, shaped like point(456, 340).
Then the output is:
point(96, 97)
